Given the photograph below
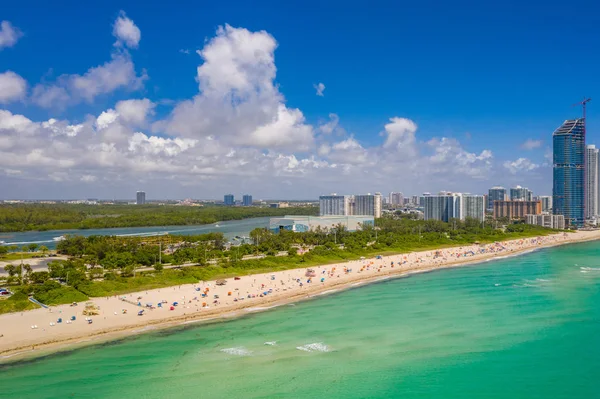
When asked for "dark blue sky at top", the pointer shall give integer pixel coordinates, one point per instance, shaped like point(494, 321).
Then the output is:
point(491, 74)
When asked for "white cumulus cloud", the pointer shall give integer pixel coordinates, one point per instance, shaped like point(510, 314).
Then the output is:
point(520, 165)
point(12, 87)
point(126, 32)
point(9, 35)
point(239, 101)
point(531, 144)
point(320, 88)
point(135, 111)
point(117, 73)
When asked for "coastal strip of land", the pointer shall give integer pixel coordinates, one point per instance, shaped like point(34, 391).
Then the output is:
point(38, 332)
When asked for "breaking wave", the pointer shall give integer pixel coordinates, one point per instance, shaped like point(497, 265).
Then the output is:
point(314, 347)
point(239, 351)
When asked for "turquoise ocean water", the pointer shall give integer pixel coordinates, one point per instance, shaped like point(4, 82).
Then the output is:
point(521, 327)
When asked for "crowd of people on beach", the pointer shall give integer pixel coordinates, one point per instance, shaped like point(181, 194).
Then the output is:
point(216, 297)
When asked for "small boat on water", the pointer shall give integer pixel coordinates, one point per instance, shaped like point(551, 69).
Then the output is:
point(59, 238)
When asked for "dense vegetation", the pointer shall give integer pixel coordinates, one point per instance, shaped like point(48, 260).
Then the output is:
point(24, 217)
point(102, 265)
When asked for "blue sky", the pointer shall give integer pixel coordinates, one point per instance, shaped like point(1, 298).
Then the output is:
point(472, 77)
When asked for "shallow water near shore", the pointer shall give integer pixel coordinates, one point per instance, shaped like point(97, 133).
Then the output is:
point(524, 326)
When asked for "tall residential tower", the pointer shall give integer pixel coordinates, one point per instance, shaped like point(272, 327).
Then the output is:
point(591, 181)
point(140, 198)
point(569, 171)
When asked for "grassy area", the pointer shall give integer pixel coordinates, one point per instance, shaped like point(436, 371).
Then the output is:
point(16, 303)
point(20, 255)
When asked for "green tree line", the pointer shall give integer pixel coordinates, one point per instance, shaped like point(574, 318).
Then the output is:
point(25, 217)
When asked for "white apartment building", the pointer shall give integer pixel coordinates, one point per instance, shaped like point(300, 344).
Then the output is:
point(591, 181)
point(546, 220)
point(334, 205)
point(368, 205)
point(396, 199)
point(473, 206)
point(348, 205)
point(441, 207)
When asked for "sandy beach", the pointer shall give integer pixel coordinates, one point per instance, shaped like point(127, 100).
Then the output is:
point(36, 332)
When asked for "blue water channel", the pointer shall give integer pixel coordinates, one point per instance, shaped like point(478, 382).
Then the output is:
point(49, 238)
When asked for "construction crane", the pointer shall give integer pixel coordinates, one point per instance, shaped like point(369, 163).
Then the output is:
point(583, 103)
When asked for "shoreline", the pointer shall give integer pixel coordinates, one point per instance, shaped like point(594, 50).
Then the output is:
point(21, 342)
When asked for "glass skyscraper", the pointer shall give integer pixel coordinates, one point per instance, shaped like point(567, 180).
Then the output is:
point(495, 194)
point(247, 200)
point(568, 198)
point(228, 200)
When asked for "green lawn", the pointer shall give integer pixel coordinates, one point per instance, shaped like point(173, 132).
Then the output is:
point(19, 255)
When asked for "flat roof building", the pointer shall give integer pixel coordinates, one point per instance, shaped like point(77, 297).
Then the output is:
point(334, 205)
point(516, 209)
point(545, 220)
point(307, 223)
point(441, 207)
point(140, 198)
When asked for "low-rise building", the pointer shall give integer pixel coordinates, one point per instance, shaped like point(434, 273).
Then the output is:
point(307, 223)
point(545, 220)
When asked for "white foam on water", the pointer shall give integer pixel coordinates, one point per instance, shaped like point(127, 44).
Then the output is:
point(260, 308)
point(510, 255)
point(314, 347)
point(238, 351)
point(355, 284)
point(591, 269)
point(271, 343)
point(326, 292)
point(497, 285)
